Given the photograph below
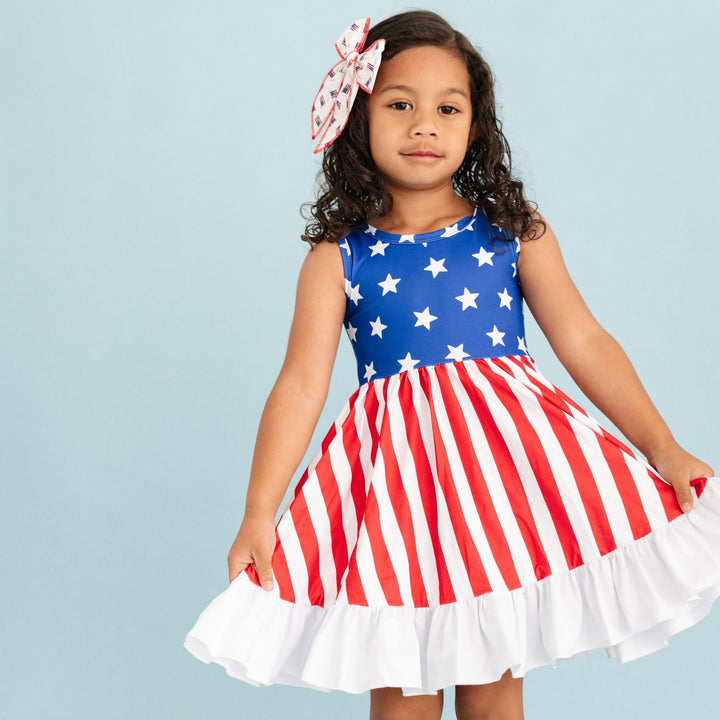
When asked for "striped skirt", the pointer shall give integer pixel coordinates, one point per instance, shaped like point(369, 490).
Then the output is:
point(459, 520)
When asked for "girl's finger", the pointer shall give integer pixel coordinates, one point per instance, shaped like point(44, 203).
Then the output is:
point(684, 495)
point(235, 570)
point(263, 565)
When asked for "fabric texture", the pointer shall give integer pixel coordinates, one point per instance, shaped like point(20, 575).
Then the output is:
point(463, 515)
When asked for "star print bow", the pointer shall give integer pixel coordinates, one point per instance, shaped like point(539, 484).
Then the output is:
point(338, 90)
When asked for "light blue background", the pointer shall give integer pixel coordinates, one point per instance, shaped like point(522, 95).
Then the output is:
point(153, 157)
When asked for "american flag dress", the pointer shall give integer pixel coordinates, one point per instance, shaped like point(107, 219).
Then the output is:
point(463, 515)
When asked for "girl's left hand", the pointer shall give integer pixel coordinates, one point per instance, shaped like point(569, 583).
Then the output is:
point(679, 468)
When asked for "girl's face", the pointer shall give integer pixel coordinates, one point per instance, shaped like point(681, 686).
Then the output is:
point(420, 119)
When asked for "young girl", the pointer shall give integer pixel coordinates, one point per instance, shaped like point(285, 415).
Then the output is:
point(464, 521)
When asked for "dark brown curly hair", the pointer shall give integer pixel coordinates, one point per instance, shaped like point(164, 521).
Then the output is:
point(350, 187)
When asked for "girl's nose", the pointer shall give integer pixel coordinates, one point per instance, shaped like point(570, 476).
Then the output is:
point(424, 124)
point(425, 130)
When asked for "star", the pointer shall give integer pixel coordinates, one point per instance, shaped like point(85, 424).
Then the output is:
point(514, 267)
point(352, 332)
point(496, 336)
point(344, 245)
point(456, 353)
point(484, 257)
point(378, 248)
point(389, 284)
point(450, 231)
point(353, 293)
point(407, 238)
point(424, 318)
point(377, 327)
point(372, 230)
point(407, 363)
point(521, 344)
point(467, 299)
point(469, 226)
point(369, 371)
point(436, 266)
point(505, 299)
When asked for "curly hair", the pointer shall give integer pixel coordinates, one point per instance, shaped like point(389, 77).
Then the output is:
point(350, 187)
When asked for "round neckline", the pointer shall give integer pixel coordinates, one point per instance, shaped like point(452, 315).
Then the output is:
point(444, 232)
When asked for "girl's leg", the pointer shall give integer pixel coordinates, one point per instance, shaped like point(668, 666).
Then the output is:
point(500, 700)
point(390, 704)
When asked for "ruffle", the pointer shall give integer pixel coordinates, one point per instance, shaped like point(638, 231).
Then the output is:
point(628, 602)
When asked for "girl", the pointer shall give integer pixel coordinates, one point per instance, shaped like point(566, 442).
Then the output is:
point(464, 521)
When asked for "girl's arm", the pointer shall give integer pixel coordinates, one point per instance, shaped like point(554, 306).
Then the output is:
point(598, 365)
point(293, 406)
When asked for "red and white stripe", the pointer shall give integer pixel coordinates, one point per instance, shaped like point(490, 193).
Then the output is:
point(451, 481)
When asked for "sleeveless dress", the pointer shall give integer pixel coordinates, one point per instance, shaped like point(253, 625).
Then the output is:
point(462, 516)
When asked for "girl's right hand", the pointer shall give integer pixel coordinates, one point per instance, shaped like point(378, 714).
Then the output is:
point(254, 544)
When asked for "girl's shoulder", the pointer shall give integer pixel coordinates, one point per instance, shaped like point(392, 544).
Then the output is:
point(321, 281)
point(325, 253)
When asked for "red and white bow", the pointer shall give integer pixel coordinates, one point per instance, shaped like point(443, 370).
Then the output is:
point(338, 90)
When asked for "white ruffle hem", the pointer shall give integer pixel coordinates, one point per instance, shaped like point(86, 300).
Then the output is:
point(629, 602)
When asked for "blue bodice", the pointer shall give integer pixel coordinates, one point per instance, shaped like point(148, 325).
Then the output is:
point(432, 298)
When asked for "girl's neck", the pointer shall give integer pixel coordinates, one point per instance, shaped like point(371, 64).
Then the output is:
point(415, 213)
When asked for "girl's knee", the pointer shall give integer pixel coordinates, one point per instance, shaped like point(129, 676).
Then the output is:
point(500, 700)
point(390, 704)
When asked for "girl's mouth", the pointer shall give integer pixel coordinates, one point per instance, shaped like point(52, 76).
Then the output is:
point(422, 154)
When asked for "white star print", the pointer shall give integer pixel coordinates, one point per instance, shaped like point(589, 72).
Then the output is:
point(407, 238)
point(484, 257)
point(467, 299)
point(344, 245)
point(352, 332)
point(378, 248)
point(370, 371)
point(436, 266)
point(377, 327)
point(372, 230)
point(407, 363)
point(505, 299)
point(353, 293)
point(514, 267)
point(457, 353)
point(389, 284)
point(469, 226)
point(424, 318)
point(521, 344)
point(450, 231)
point(496, 336)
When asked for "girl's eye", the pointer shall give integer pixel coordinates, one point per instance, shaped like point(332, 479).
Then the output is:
point(400, 105)
point(448, 110)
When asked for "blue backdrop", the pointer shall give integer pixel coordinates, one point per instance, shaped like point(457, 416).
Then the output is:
point(153, 157)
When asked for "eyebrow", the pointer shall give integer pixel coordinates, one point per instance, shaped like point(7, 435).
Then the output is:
point(407, 88)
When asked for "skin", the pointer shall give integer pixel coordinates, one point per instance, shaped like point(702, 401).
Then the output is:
point(421, 103)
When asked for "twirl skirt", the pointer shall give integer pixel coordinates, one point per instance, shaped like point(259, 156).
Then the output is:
point(459, 520)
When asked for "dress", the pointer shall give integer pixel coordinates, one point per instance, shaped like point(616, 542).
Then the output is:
point(462, 516)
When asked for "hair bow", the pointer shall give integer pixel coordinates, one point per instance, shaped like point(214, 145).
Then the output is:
point(338, 90)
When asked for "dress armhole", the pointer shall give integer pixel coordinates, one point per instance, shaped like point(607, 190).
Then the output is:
point(347, 261)
point(346, 253)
